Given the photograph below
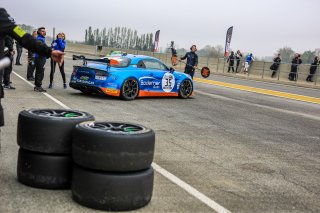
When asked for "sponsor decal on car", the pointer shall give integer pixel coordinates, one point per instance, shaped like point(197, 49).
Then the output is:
point(102, 78)
point(111, 90)
point(84, 78)
point(151, 82)
point(168, 82)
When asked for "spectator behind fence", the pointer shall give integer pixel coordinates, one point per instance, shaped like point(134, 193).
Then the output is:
point(31, 61)
point(231, 61)
point(19, 53)
point(58, 44)
point(313, 69)
point(296, 61)
point(275, 66)
point(249, 60)
point(238, 59)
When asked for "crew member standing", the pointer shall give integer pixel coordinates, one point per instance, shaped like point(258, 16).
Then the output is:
point(8, 27)
point(192, 61)
point(58, 44)
point(40, 62)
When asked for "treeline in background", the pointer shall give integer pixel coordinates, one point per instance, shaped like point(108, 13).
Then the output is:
point(119, 37)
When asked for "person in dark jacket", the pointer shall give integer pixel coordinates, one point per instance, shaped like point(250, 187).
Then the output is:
point(58, 44)
point(313, 68)
point(19, 53)
point(9, 27)
point(40, 62)
point(238, 59)
point(8, 70)
point(296, 61)
point(31, 61)
point(231, 61)
point(275, 66)
point(192, 61)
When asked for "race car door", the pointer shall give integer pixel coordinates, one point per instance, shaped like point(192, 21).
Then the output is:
point(163, 80)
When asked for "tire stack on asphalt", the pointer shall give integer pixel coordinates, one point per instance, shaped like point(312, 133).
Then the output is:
point(112, 165)
point(45, 140)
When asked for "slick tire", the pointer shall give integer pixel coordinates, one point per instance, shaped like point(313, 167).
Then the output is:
point(112, 191)
point(48, 130)
point(43, 170)
point(113, 146)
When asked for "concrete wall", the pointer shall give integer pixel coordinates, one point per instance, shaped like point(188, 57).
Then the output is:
point(259, 70)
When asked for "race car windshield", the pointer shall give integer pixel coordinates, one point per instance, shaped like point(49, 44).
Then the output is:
point(119, 62)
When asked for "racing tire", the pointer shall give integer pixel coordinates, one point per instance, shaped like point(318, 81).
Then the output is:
point(113, 146)
point(48, 130)
point(129, 89)
point(112, 191)
point(186, 89)
point(43, 170)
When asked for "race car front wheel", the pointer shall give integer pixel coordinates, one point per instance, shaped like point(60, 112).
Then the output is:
point(186, 89)
point(129, 89)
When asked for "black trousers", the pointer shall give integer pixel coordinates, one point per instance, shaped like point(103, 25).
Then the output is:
point(189, 70)
point(30, 69)
point(53, 69)
point(6, 74)
point(293, 73)
point(238, 63)
point(40, 62)
point(19, 53)
point(1, 96)
point(230, 67)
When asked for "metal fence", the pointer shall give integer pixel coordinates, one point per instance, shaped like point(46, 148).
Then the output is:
point(257, 70)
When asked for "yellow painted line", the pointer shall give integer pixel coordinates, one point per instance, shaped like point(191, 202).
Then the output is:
point(261, 91)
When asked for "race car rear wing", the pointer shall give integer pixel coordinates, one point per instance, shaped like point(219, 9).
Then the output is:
point(82, 57)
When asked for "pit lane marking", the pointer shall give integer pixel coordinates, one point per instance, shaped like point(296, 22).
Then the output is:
point(191, 190)
point(275, 93)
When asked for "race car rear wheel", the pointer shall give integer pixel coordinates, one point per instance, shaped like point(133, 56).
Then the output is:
point(129, 89)
point(186, 89)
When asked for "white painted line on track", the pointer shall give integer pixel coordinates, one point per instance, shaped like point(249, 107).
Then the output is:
point(191, 190)
point(211, 203)
point(313, 117)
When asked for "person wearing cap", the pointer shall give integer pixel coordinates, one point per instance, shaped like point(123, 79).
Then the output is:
point(192, 61)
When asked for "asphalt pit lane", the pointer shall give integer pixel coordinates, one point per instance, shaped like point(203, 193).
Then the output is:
point(256, 167)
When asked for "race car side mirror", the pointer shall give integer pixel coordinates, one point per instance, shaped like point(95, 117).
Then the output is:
point(171, 70)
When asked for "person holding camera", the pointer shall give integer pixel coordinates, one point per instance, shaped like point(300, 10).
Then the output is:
point(275, 66)
point(192, 61)
point(58, 44)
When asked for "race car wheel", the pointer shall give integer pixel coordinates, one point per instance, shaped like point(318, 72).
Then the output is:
point(112, 191)
point(43, 170)
point(113, 146)
point(186, 89)
point(48, 130)
point(129, 89)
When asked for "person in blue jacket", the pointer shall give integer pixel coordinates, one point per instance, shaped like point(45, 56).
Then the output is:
point(58, 44)
point(249, 60)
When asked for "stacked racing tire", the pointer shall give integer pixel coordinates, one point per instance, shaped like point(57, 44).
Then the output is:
point(45, 140)
point(112, 165)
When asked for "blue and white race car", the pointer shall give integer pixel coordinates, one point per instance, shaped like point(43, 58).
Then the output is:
point(129, 76)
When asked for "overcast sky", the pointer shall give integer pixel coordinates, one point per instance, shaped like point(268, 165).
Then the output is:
point(261, 27)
